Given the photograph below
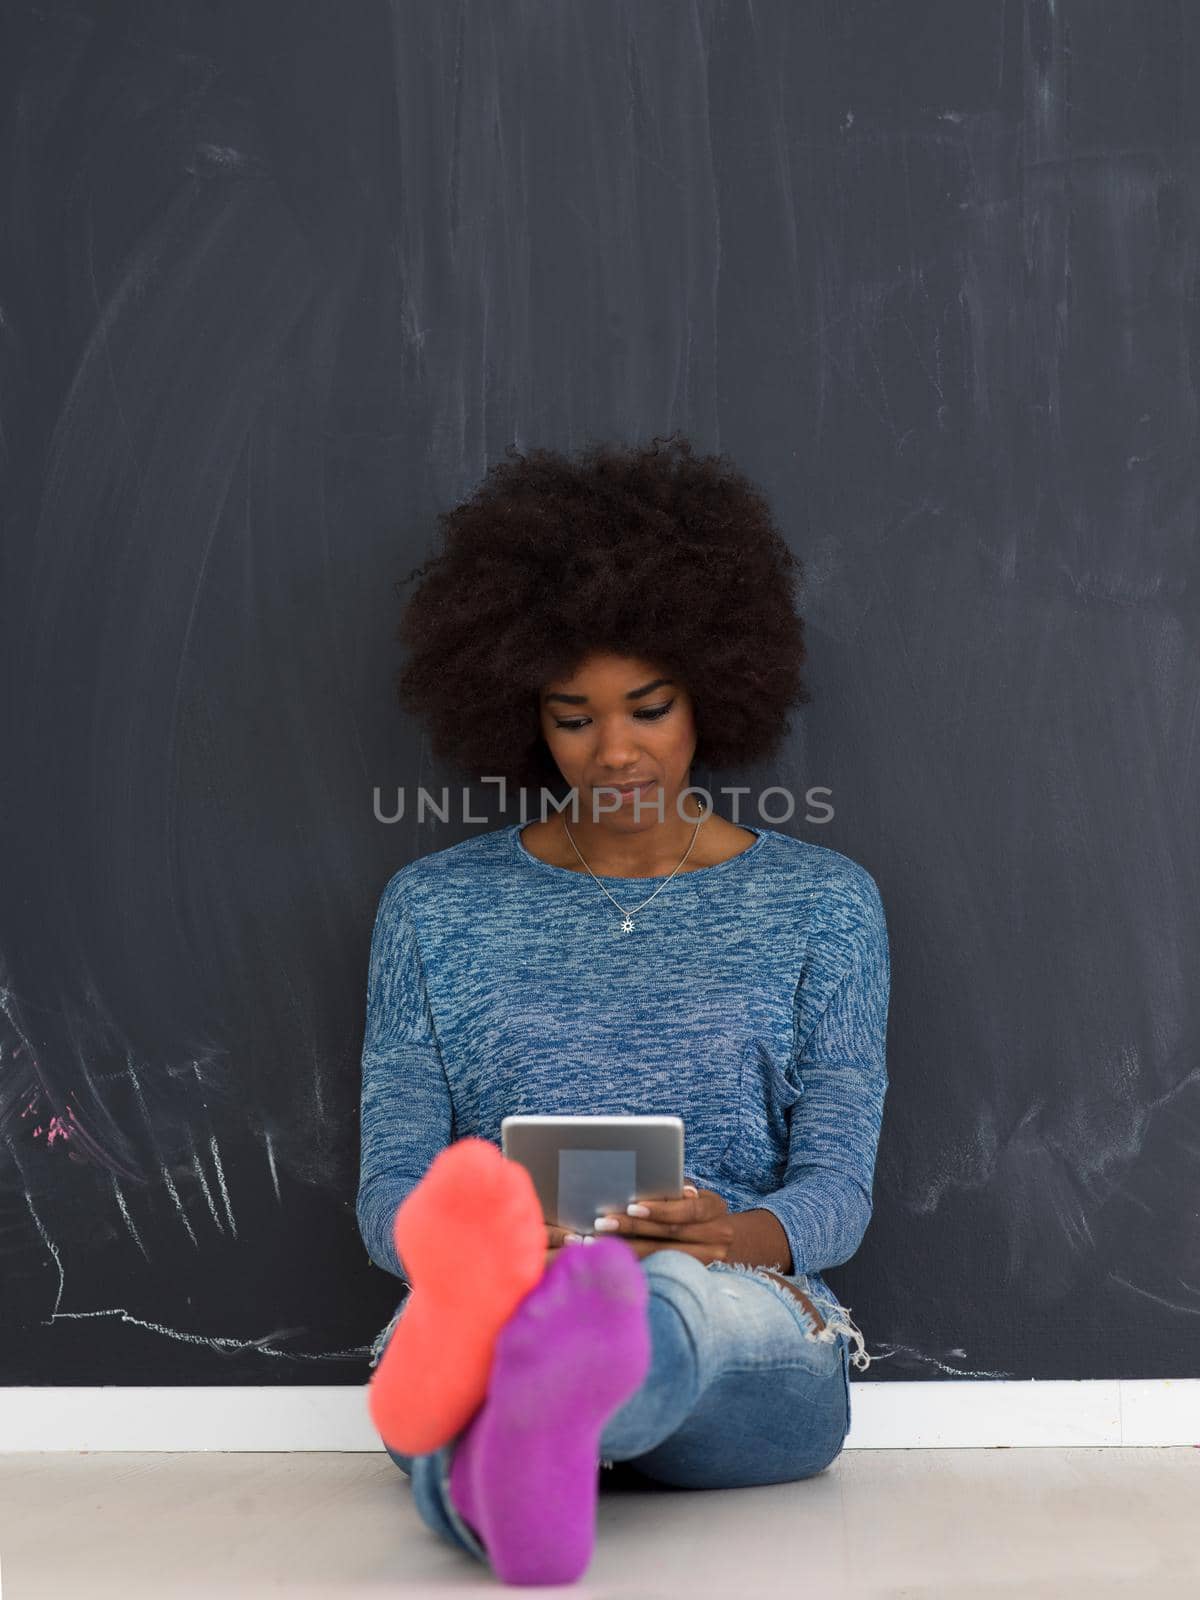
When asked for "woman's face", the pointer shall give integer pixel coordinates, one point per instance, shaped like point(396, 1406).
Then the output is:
point(618, 719)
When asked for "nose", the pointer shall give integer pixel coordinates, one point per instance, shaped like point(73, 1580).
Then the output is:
point(616, 753)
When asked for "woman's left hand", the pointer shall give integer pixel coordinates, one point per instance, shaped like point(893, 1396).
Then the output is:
point(700, 1224)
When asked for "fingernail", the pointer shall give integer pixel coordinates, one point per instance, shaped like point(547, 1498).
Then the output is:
point(572, 1238)
point(691, 1189)
point(637, 1211)
point(588, 1238)
point(606, 1224)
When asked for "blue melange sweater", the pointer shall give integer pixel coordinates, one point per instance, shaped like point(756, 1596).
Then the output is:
point(751, 1000)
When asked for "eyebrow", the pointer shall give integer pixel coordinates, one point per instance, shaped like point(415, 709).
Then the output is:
point(631, 694)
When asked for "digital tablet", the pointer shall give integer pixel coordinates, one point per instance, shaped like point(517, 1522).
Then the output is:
point(584, 1166)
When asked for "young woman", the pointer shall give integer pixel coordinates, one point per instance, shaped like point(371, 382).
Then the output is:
point(595, 624)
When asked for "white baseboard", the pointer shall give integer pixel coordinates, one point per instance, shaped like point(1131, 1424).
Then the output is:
point(948, 1415)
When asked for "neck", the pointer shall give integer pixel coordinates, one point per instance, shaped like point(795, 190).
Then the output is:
point(649, 850)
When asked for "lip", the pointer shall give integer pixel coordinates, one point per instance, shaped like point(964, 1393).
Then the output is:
point(628, 794)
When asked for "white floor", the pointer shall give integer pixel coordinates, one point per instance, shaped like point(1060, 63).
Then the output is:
point(934, 1524)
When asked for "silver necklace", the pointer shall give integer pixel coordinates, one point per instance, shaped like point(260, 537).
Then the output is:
point(627, 925)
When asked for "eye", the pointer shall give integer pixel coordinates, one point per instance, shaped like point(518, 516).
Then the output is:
point(649, 714)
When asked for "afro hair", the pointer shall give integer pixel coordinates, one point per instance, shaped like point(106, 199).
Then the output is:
point(648, 551)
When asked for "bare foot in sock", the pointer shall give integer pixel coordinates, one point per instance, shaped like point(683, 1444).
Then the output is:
point(525, 1473)
point(473, 1241)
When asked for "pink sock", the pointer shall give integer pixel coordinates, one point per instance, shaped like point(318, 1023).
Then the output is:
point(472, 1237)
point(525, 1473)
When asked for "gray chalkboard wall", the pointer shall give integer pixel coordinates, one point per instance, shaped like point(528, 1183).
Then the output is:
point(277, 283)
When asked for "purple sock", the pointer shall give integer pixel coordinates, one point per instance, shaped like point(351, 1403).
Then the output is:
point(525, 1473)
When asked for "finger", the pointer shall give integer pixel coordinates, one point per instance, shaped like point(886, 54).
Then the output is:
point(690, 1203)
point(691, 1208)
point(556, 1235)
point(702, 1252)
point(689, 1192)
point(648, 1228)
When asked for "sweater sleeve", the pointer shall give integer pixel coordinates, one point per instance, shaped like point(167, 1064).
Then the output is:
point(825, 1201)
point(406, 1111)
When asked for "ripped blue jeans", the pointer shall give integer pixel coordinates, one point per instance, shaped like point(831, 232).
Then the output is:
point(744, 1387)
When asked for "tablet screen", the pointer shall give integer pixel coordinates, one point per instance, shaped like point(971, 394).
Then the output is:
point(592, 1181)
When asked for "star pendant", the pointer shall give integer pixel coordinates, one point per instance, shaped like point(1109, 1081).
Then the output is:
point(627, 925)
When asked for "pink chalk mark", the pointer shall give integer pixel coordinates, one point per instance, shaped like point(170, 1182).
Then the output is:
point(56, 1128)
